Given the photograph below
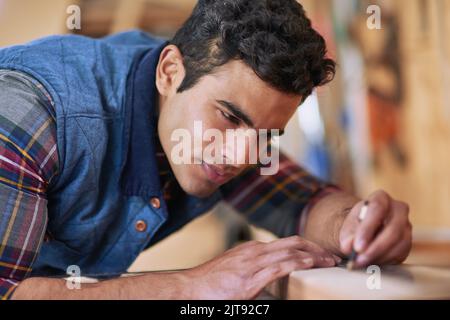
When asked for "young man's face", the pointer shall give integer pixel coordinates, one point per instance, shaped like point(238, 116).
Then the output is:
point(209, 103)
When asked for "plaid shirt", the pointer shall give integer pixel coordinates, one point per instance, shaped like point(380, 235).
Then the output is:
point(28, 161)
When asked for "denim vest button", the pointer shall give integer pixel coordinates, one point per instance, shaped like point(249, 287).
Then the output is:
point(155, 203)
point(141, 226)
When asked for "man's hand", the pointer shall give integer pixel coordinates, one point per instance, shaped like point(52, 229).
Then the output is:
point(383, 237)
point(244, 271)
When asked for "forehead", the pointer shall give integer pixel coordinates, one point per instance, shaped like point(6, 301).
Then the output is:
point(237, 83)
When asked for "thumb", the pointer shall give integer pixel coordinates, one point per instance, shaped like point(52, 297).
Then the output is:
point(348, 229)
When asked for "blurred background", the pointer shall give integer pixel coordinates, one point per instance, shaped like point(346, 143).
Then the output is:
point(383, 123)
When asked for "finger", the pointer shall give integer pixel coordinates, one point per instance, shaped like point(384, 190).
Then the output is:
point(280, 270)
point(388, 237)
point(398, 253)
point(377, 213)
point(321, 261)
point(297, 243)
point(337, 259)
point(348, 229)
point(272, 258)
point(301, 244)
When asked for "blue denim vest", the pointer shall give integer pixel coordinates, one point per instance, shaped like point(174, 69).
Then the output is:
point(105, 106)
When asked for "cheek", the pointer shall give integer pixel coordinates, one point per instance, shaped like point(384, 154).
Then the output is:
point(203, 119)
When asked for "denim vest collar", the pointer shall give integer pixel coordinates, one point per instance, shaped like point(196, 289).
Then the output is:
point(140, 176)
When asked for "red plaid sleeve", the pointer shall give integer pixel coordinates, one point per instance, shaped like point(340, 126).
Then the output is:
point(275, 202)
point(28, 161)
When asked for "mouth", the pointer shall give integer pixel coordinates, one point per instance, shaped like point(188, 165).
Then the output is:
point(215, 174)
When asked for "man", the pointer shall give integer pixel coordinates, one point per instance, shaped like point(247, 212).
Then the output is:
point(88, 178)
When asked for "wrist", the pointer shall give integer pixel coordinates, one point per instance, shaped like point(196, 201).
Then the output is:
point(303, 219)
point(338, 222)
point(186, 285)
point(326, 219)
point(177, 285)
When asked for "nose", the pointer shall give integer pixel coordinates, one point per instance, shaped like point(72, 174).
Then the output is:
point(240, 152)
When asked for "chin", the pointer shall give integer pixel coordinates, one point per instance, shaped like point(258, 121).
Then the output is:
point(193, 183)
point(198, 189)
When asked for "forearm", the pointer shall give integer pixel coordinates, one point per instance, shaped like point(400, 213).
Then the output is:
point(325, 220)
point(149, 286)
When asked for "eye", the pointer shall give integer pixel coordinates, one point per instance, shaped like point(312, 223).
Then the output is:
point(230, 118)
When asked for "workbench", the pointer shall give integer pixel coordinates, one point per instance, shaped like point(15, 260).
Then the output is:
point(394, 282)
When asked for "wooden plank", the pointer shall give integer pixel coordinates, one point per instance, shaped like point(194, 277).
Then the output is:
point(396, 282)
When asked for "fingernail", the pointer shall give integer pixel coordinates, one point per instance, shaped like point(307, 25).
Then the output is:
point(330, 261)
point(359, 245)
point(308, 261)
point(346, 242)
point(361, 260)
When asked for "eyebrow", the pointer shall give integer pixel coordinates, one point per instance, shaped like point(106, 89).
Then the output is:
point(238, 113)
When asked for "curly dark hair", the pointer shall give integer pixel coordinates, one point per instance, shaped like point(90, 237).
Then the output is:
point(273, 37)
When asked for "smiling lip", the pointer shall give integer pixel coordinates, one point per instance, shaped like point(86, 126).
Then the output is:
point(215, 174)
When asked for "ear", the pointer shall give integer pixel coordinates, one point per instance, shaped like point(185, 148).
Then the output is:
point(170, 71)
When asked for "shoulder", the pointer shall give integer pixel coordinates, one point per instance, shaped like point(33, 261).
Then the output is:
point(27, 129)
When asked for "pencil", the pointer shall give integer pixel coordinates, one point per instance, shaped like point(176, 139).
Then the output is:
point(352, 257)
